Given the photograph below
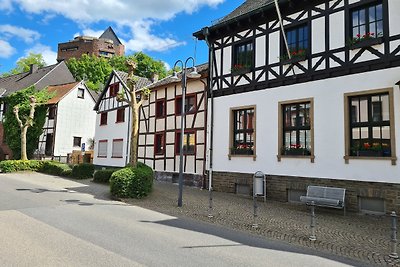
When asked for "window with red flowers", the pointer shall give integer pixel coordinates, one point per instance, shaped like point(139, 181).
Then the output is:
point(243, 134)
point(367, 22)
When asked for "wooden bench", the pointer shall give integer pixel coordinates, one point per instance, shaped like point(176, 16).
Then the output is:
point(331, 197)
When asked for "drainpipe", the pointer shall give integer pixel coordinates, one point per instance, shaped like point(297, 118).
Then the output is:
point(206, 33)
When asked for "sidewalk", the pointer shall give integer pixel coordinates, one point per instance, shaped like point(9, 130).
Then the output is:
point(360, 237)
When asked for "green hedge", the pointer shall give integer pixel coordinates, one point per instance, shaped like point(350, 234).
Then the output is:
point(83, 171)
point(55, 168)
point(103, 176)
point(132, 182)
point(20, 165)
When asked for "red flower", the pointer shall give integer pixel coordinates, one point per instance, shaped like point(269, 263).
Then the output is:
point(367, 145)
point(372, 34)
point(358, 35)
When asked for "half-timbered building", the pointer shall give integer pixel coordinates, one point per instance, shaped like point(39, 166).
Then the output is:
point(322, 108)
point(70, 121)
point(160, 129)
point(113, 122)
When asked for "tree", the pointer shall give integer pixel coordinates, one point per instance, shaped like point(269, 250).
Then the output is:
point(22, 100)
point(24, 64)
point(135, 105)
point(96, 70)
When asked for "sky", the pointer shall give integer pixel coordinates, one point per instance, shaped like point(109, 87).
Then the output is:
point(160, 28)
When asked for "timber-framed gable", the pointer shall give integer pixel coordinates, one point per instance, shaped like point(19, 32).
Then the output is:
point(329, 53)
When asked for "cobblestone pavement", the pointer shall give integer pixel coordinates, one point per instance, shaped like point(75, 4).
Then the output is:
point(364, 238)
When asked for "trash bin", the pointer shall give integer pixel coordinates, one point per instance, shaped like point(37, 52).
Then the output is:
point(259, 184)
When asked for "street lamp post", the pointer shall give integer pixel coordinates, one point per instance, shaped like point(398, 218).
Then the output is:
point(184, 75)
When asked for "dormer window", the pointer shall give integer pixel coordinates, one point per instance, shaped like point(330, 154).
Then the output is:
point(243, 57)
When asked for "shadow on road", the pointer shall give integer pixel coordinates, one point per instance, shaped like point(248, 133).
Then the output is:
point(247, 240)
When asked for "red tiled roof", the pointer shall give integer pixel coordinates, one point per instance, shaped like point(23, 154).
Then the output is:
point(60, 91)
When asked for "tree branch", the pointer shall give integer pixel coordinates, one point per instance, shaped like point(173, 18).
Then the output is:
point(16, 112)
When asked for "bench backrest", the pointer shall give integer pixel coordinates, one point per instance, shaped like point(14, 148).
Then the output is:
point(326, 192)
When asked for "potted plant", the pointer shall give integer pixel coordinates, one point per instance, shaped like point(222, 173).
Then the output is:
point(242, 149)
point(295, 56)
point(296, 150)
point(371, 150)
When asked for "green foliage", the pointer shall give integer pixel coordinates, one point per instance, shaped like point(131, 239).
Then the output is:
point(132, 182)
point(103, 176)
point(82, 171)
point(20, 165)
point(23, 64)
point(11, 128)
point(96, 70)
point(55, 168)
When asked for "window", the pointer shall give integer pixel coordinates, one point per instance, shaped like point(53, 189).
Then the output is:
point(103, 118)
point(159, 143)
point(367, 22)
point(120, 115)
point(77, 141)
point(52, 112)
point(81, 93)
point(298, 41)
point(243, 131)
point(189, 143)
point(190, 104)
point(370, 125)
point(117, 148)
point(114, 89)
point(160, 108)
point(243, 57)
point(102, 151)
point(296, 129)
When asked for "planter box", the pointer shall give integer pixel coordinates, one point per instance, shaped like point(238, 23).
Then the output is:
point(241, 71)
point(369, 153)
point(367, 43)
point(296, 152)
point(242, 152)
point(293, 60)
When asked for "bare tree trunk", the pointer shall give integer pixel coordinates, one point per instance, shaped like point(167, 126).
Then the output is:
point(24, 126)
point(134, 135)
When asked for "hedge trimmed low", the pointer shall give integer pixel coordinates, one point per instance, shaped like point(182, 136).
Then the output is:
point(55, 168)
point(132, 182)
point(83, 171)
point(20, 165)
point(103, 176)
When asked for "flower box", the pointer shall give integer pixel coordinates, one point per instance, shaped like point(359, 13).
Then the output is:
point(296, 152)
point(370, 153)
point(239, 71)
point(293, 60)
point(242, 151)
point(366, 43)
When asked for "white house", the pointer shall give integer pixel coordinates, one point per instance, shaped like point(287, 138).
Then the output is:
point(113, 122)
point(329, 115)
point(70, 121)
point(160, 128)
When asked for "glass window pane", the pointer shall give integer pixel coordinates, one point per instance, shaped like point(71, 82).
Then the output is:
point(363, 109)
point(364, 132)
point(287, 140)
point(379, 12)
point(386, 132)
point(376, 132)
point(379, 29)
point(371, 12)
point(363, 30)
point(356, 133)
point(293, 143)
point(362, 16)
point(355, 18)
point(385, 107)
point(372, 29)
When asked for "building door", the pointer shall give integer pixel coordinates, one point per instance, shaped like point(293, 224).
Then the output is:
point(49, 145)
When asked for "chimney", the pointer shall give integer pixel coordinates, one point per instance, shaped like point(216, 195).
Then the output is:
point(33, 68)
point(154, 77)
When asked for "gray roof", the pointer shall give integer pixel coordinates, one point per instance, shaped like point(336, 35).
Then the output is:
point(110, 34)
point(202, 69)
point(49, 75)
point(246, 7)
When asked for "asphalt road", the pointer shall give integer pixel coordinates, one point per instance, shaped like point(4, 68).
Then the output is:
point(45, 221)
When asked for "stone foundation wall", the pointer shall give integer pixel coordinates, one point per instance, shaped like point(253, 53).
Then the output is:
point(194, 180)
point(279, 186)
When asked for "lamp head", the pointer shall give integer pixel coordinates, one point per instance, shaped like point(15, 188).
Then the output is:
point(175, 76)
point(194, 73)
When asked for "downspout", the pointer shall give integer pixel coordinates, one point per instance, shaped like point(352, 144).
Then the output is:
point(206, 33)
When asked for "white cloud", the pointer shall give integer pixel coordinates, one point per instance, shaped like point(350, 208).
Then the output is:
point(167, 66)
point(26, 35)
point(6, 50)
point(5, 5)
point(49, 56)
point(138, 15)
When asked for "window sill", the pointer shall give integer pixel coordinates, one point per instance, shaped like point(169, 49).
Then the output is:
point(103, 157)
point(293, 60)
point(103, 124)
point(119, 121)
point(366, 43)
point(230, 156)
point(348, 158)
point(311, 157)
point(114, 157)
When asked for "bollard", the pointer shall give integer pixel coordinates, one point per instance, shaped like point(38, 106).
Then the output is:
point(210, 205)
point(255, 224)
point(393, 239)
point(312, 224)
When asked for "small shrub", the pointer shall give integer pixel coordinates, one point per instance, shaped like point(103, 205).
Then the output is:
point(132, 182)
point(20, 165)
point(103, 176)
point(55, 168)
point(82, 171)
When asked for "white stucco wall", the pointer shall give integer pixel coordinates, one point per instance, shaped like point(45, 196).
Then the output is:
point(75, 117)
point(328, 130)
